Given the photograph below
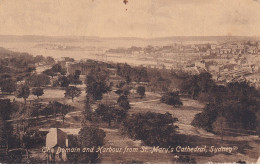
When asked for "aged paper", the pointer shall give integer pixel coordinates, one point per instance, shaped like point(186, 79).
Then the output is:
point(129, 81)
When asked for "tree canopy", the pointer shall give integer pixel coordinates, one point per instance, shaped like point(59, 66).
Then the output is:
point(37, 91)
point(109, 113)
point(97, 85)
point(141, 91)
point(7, 108)
point(38, 80)
point(153, 129)
point(123, 102)
point(172, 98)
point(72, 92)
point(237, 103)
point(23, 92)
point(8, 85)
point(63, 81)
point(88, 137)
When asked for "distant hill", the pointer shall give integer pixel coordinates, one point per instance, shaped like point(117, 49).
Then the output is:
point(7, 53)
point(37, 38)
point(207, 38)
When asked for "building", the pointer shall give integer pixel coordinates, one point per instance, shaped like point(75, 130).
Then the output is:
point(56, 138)
point(85, 66)
point(252, 50)
point(213, 46)
point(225, 50)
point(203, 64)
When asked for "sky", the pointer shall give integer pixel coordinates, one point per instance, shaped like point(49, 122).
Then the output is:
point(138, 18)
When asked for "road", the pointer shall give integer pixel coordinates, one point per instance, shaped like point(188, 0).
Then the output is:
point(147, 101)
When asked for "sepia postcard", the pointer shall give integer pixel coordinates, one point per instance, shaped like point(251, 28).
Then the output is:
point(130, 81)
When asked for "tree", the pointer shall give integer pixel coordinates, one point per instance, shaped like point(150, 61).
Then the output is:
point(194, 84)
point(26, 143)
point(56, 83)
point(219, 126)
point(205, 82)
point(6, 76)
point(190, 86)
point(37, 92)
point(38, 80)
point(6, 129)
point(206, 118)
point(31, 69)
point(126, 90)
point(50, 60)
point(109, 113)
point(56, 68)
point(54, 108)
point(123, 102)
point(29, 139)
point(97, 85)
point(154, 129)
point(119, 91)
point(121, 84)
point(19, 78)
point(258, 123)
point(141, 91)
point(73, 79)
point(39, 59)
point(23, 92)
point(72, 92)
point(35, 110)
point(6, 133)
point(91, 136)
point(8, 85)
point(63, 71)
point(49, 72)
point(64, 110)
point(233, 106)
point(64, 81)
point(128, 79)
point(172, 98)
point(61, 108)
point(7, 108)
point(88, 137)
point(77, 74)
point(88, 111)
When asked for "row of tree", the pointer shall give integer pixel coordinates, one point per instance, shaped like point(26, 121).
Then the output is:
point(90, 136)
point(7, 137)
point(235, 106)
point(232, 106)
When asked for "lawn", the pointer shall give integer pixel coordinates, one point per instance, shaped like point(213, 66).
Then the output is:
point(248, 146)
point(116, 140)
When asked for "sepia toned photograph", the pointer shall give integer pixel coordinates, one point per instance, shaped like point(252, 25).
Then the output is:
point(130, 81)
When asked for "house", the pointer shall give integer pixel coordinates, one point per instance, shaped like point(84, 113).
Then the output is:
point(225, 50)
point(203, 64)
point(56, 138)
point(252, 50)
point(258, 161)
point(85, 66)
point(213, 46)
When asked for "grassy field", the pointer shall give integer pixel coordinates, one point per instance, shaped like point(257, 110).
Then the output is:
point(248, 146)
